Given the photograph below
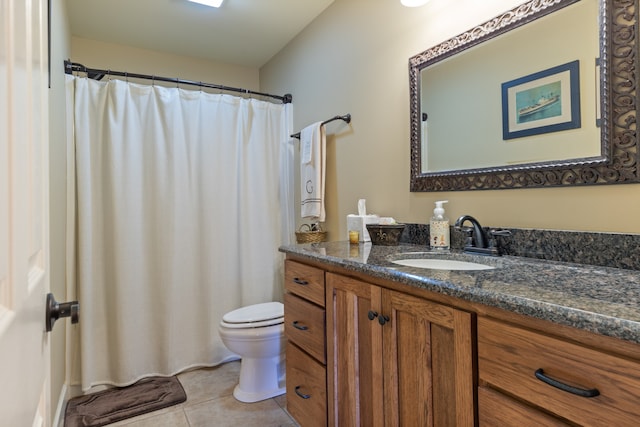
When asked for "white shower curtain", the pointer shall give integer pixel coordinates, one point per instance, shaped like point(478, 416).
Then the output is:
point(182, 199)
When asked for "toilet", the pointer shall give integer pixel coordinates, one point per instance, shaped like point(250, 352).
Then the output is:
point(256, 334)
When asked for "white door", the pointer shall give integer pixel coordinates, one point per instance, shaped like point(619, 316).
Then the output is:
point(24, 214)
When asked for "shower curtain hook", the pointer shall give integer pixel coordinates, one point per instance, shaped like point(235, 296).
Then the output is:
point(109, 75)
point(200, 86)
point(153, 81)
point(126, 77)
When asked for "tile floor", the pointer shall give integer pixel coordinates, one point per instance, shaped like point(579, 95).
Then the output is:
point(210, 403)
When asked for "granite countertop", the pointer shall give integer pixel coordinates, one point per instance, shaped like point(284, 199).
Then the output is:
point(602, 300)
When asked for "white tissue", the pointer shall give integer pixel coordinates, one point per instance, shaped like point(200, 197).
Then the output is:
point(362, 207)
point(387, 220)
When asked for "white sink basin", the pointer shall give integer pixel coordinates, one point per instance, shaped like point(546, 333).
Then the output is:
point(441, 264)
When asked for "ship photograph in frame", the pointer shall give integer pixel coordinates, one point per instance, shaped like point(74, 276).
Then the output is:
point(542, 102)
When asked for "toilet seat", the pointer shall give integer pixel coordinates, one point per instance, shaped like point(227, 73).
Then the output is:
point(254, 316)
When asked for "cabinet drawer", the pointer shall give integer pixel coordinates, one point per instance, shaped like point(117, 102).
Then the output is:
point(509, 356)
point(305, 281)
point(306, 388)
point(304, 325)
point(498, 410)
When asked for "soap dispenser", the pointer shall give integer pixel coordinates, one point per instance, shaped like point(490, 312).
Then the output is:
point(439, 228)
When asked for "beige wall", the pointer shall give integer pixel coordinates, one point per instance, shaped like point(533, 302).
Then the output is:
point(354, 59)
point(474, 80)
point(109, 56)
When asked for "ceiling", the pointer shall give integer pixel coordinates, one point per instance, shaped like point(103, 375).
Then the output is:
point(240, 32)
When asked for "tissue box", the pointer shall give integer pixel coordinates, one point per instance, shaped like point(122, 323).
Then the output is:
point(359, 223)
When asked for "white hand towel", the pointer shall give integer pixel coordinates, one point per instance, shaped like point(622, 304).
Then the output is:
point(312, 171)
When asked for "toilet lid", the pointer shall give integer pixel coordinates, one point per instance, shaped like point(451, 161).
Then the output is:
point(268, 312)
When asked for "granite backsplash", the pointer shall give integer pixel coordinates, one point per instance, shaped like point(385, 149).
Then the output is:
point(604, 249)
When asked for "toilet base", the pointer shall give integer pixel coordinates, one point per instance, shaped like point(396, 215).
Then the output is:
point(260, 379)
point(251, 397)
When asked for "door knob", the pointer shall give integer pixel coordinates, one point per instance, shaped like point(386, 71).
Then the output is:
point(56, 310)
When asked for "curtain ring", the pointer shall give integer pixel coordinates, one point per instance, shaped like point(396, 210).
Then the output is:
point(126, 77)
point(153, 81)
point(200, 86)
point(109, 75)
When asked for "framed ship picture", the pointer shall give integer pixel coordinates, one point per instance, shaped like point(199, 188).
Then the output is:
point(546, 101)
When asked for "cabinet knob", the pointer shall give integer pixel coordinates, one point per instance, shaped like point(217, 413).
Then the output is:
point(382, 319)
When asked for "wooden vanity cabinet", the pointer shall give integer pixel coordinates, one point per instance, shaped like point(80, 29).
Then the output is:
point(304, 326)
point(371, 354)
point(396, 359)
point(598, 388)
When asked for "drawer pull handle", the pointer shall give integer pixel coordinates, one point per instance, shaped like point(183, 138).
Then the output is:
point(565, 387)
point(300, 281)
point(297, 325)
point(302, 395)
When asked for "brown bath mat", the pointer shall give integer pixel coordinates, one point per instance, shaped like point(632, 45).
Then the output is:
point(116, 404)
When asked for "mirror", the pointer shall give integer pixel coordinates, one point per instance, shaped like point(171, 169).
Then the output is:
point(487, 113)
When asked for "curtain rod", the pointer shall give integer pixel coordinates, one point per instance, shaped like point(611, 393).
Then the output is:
point(97, 74)
point(346, 118)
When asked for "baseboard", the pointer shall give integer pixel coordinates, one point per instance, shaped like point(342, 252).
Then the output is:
point(66, 393)
point(58, 418)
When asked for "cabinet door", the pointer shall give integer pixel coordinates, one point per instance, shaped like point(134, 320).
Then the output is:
point(428, 363)
point(415, 368)
point(354, 353)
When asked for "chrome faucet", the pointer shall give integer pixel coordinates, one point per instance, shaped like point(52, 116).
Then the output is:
point(477, 240)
